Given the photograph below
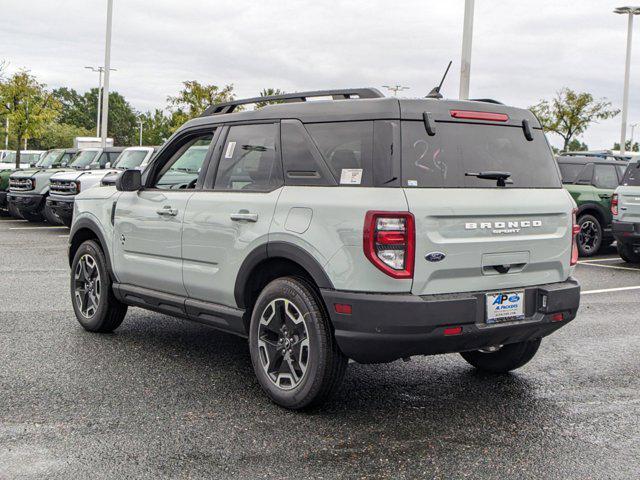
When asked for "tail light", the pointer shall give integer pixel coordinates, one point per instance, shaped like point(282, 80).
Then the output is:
point(389, 242)
point(575, 230)
point(614, 204)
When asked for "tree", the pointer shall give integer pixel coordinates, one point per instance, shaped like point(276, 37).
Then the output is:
point(81, 110)
point(157, 126)
point(628, 147)
point(59, 135)
point(269, 92)
point(28, 106)
point(570, 113)
point(194, 99)
point(576, 145)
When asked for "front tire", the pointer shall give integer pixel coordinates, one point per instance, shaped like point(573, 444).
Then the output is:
point(590, 235)
point(293, 351)
point(507, 358)
point(51, 217)
point(33, 217)
point(94, 304)
point(13, 211)
point(627, 253)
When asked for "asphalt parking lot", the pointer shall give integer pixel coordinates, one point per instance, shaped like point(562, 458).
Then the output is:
point(164, 398)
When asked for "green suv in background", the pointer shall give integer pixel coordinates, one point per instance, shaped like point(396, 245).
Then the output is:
point(591, 181)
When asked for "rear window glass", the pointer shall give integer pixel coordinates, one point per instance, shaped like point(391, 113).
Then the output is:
point(570, 171)
point(442, 160)
point(632, 175)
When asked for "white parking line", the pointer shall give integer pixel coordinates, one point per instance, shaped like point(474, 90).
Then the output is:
point(607, 290)
point(34, 228)
point(611, 266)
point(608, 259)
point(13, 220)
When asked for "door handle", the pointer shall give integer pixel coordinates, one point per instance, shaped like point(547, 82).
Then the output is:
point(244, 216)
point(604, 195)
point(167, 211)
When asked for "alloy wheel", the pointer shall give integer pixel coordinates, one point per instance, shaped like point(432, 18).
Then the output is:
point(283, 343)
point(87, 286)
point(589, 236)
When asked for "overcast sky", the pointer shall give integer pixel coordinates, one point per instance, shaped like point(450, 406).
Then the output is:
point(523, 51)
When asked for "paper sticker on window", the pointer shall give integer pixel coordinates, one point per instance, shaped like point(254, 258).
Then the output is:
point(412, 183)
point(351, 176)
point(230, 148)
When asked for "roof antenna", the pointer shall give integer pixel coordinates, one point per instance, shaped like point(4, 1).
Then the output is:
point(435, 92)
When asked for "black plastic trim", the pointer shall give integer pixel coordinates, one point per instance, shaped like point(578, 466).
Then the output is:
point(284, 250)
point(221, 317)
point(86, 223)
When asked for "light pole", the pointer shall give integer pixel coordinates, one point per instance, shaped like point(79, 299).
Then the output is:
point(107, 71)
point(140, 123)
point(630, 12)
point(467, 36)
point(395, 89)
point(100, 70)
point(633, 127)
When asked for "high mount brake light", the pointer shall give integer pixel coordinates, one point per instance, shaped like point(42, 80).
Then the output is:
point(575, 230)
point(614, 204)
point(389, 242)
point(473, 115)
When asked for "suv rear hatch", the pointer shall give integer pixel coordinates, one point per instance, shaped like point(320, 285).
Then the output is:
point(629, 195)
point(492, 237)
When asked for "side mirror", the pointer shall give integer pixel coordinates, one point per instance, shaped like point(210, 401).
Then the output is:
point(129, 181)
point(107, 165)
point(64, 164)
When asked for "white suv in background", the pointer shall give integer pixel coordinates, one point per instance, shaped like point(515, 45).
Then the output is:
point(66, 185)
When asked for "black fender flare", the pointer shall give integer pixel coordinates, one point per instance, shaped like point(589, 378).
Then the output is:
point(285, 250)
point(86, 223)
point(606, 216)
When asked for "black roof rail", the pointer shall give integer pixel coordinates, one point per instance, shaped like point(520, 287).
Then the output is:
point(486, 100)
point(344, 94)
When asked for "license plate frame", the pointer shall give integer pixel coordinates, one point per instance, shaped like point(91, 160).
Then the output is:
point(504, 306)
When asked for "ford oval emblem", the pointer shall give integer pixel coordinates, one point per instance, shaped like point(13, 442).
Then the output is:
point(435, 256)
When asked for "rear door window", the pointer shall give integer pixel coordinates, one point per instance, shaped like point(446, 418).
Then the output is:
point(632, 175)
point(347, 149)
point(458, 149)
point(605, 176)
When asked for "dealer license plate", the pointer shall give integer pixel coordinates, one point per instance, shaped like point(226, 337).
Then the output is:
point(505, 306)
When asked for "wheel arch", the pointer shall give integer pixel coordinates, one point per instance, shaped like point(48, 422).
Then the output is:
point(268, 261)
point(85, 229)
point(595, 210)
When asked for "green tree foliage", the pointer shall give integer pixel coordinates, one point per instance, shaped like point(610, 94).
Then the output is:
point(570, 113)
point(59, 135)
point(157, 126)
point(269, 92)
point(81, 110)
point(627, 147)
point(194, 98)
point(576, 145)
point(28, 106)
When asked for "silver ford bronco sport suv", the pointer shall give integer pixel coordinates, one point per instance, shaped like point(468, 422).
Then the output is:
point(360, 227)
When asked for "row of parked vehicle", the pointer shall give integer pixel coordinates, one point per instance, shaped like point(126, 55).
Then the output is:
point(46, 188)
point(606, 189)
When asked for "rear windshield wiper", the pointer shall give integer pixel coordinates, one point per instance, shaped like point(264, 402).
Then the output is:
point(500, 177)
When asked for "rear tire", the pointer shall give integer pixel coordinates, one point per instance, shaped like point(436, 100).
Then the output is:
point(590, 235)
point(508, 358)
point(95, 306)
point(627, 253)
point(293, 351)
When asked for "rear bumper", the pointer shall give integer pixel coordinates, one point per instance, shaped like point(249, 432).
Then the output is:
point(385, 327)
point(61, 206)
point(27, 202)
point(626, 232)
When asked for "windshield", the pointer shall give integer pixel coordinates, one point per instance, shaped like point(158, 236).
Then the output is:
point(632, 175)
point(51, 158)
point(458, 150)
point(130, 159)
point(84, 158)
